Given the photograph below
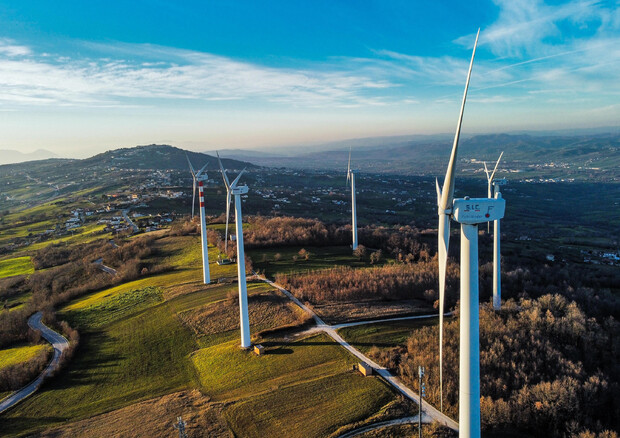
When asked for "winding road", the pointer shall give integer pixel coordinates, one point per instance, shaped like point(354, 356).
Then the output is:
point(60, 344)
point(331, 330)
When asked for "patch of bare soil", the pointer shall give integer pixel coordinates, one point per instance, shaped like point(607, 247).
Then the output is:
point(151, 418)
point(339, 312)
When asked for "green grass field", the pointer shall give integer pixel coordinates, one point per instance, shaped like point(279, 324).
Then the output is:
point(324, 257)
point(85, 234)
point(227, 372)
point(299, 389)
point(314, 408)
point(16, 266)
point(19, 354)
point(116, 307)
point(383, 335)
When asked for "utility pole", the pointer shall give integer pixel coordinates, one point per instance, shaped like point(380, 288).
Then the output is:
point(422, 389)
point(181, 426)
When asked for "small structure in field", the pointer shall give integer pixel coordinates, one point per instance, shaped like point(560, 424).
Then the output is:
point(364, 368)
point(259, 350)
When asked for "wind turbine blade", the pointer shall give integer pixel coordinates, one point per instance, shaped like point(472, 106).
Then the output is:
point(201, 170)
point(442, 257)
point(486, 170)
point(349, 167)
point(227, 216)
point(496, 164)
point(438, 189)
point(226, 182)
point(236, 180)
point(191, 168)
point(448, 185)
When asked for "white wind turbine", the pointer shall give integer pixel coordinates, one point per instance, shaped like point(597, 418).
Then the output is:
point(494, 192)
point(469, 213)
point(445, 197)
point(199, 178)
point(351, 177)
point(237, 191)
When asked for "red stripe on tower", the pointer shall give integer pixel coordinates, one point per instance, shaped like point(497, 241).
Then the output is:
point(202, 204)
point(200, 183)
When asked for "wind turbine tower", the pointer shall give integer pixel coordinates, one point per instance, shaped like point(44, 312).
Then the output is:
point(494, 192)
point(236, 191)
point(445, 198)
point(469, 213)
point(200, 177)
point(351, 177)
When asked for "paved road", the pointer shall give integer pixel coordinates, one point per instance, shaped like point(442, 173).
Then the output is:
point(427, 409)
point(59, 343)
point(130, 222)
point(104, 268)
point(376, 321)
point(382, 424)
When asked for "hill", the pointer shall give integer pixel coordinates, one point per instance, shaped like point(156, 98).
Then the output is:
point(159, 157)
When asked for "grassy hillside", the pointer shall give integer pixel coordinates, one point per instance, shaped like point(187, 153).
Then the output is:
point(18, 354)
point(16, 266)
point(168, 332)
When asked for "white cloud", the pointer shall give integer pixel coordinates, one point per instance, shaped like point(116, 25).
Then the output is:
point(10, 49)
point(180, 74)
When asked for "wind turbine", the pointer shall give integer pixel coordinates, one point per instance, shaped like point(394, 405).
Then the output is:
point(445, 197)
point(494, 192)
point(191, 169)
point(237, 191)
point(200, 177)
point(351, 177)
point(490, 181)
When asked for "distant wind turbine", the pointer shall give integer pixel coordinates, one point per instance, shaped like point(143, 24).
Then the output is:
point(200, 177)
point(490, 181)
point(237, 191)
point(351, 178)
point(494, 192)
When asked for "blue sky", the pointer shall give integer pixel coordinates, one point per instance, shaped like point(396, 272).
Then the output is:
point(81, 77)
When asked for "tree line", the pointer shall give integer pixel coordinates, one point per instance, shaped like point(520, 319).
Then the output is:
point(546, 368)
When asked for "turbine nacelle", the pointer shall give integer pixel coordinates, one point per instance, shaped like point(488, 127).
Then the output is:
point(241, 190)
point(473, 211)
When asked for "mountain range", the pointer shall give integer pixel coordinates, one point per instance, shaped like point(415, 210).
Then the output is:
point(9, 156)
point(424, 155)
